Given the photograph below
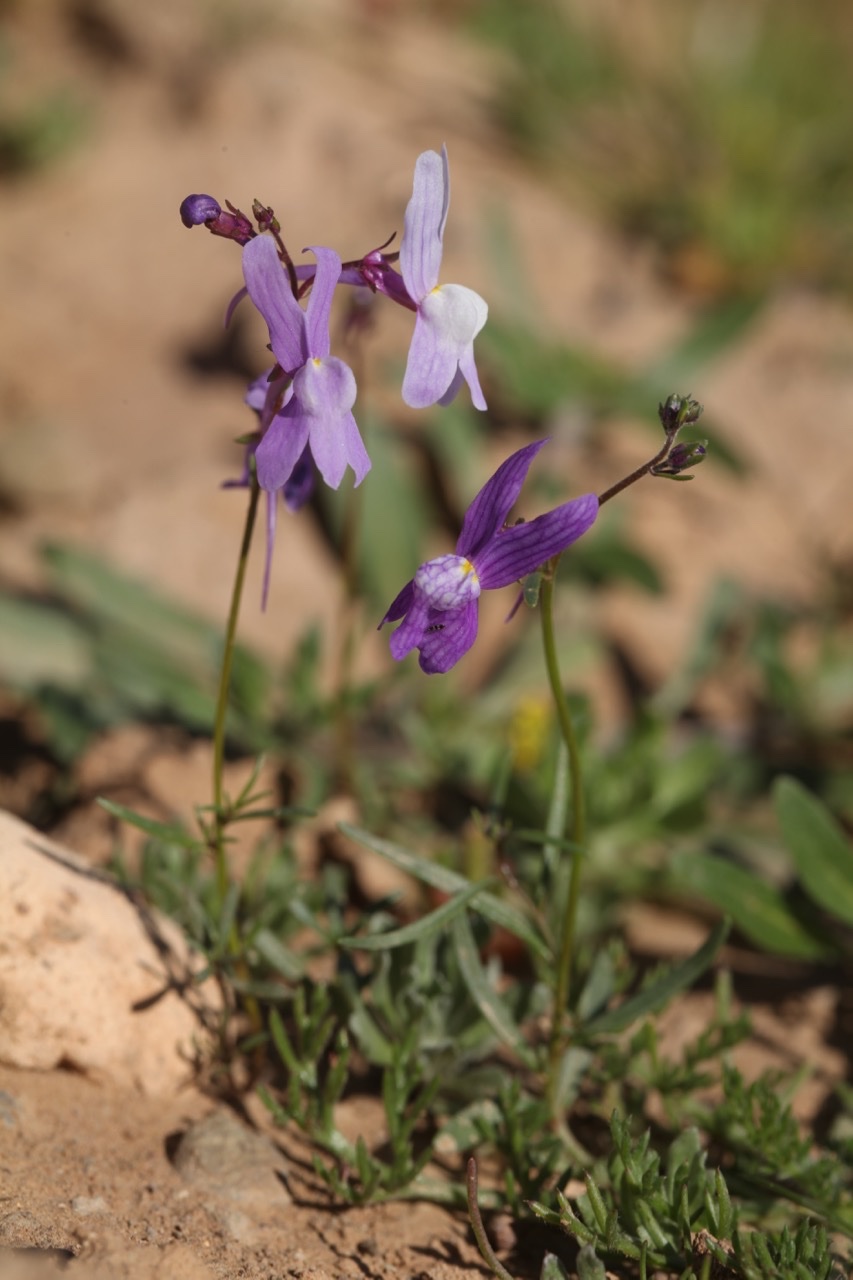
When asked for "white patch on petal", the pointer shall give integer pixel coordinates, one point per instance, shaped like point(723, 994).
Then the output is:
point(456, 314)
point(448, 582)
point(325, 386)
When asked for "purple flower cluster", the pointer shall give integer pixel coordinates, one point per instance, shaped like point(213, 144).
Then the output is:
point(304, 403)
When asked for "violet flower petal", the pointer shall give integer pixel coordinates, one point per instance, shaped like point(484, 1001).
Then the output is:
point(269, 289)
point(409, 635)
point(489, 510)
point(282, 445)
point(447, 638)
point(515, 552)
point(319, 306)
point(324, 392)
point(423, 227)
point(401, 605)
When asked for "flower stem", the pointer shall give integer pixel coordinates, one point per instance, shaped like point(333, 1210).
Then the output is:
point(577, 832)
point(644, 470)
point(221, 813)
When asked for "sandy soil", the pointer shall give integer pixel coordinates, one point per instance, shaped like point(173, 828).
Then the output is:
point(110, 440)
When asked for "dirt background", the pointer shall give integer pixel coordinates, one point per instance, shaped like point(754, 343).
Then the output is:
point(113, 440)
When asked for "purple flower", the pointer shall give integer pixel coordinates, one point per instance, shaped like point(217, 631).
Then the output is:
point(449, 316)
point(439, 605)
point(263, 395)
point(314, 410)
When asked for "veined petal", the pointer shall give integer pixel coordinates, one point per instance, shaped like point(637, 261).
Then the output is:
point(319, 306)
point(515, 552)
point(282, 445)
point(410, 633)
point(489, 510)
point(430, 368)
point(401, 605)
point(447, 637)
point(423, 228)
point(269, 289)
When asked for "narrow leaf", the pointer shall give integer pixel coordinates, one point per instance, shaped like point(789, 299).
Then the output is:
point(168, 832)
point(757, 908)
point(431, 873)
point(676, 979)
point(483, 993)
point(426, 927)
point(823, 856)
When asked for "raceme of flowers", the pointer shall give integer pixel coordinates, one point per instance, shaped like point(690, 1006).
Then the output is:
point(304, 403)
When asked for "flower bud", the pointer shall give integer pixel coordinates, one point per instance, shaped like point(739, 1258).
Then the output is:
point(682, 457)
point(677, 411)
point(198, 209)
point(234, 225)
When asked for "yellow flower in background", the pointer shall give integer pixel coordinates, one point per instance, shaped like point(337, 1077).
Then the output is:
point(528, 732)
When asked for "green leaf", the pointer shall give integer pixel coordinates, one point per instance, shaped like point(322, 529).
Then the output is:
point(277, 955)
point(426, 927)
point(41, 645)
point(823, 856)
point(168, 832)
point(442, 878)
point(483, 993)
point(553, 1269)
point(678, 978)
point(757, 908)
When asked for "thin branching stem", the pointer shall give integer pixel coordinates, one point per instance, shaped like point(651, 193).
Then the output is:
point(576, 833)
point(646, 469)
point(221, 813)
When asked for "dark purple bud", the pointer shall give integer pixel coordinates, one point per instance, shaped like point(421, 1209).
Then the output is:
point(677, 411)
point(681, 458)
point(198, 209)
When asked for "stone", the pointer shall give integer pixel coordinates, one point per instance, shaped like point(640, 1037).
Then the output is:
point(223, 1155)
point(89, 979)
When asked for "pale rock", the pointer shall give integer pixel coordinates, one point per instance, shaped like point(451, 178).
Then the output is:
point(87, 978)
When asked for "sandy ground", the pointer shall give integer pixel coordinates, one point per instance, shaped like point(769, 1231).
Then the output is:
point(110, 441)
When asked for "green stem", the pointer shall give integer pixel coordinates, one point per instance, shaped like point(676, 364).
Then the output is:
point(221, 815)
point(576, 832)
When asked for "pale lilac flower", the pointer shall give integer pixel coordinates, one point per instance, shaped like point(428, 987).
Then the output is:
point(439, 605)
point(315, 409)
point(449, 316)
